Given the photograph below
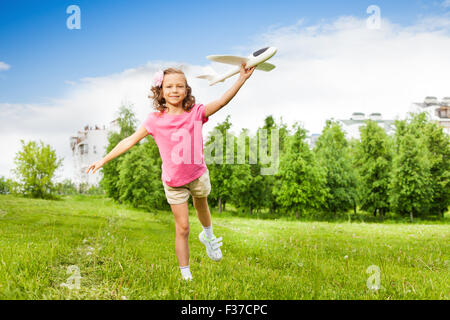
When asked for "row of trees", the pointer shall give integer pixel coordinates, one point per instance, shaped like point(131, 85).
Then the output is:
point(50, 190)
point(68, 187)
point(407, 173)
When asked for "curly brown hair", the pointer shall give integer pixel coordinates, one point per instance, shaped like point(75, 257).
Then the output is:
point(159, 103)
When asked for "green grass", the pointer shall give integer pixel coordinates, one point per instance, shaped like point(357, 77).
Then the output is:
point(124, 253)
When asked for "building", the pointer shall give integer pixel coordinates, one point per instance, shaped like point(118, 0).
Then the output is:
point(351, 126)
point(312, 139)
point(437, 111)
point(87, 147)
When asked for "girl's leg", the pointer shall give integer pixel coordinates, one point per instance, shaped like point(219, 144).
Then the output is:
point(203, 213)
point(181, 214)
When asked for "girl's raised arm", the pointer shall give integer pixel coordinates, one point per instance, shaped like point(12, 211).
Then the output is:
point(216, 105)
point(121, 147)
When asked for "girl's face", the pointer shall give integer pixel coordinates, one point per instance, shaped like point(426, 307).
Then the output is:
point(174, 89)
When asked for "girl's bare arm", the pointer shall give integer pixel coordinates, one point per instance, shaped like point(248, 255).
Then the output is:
point(121, 147)
point(216, 105)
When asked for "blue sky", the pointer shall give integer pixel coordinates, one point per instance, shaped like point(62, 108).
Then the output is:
point(115, 35)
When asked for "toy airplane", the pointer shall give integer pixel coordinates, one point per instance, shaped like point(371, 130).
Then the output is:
point(257, 58)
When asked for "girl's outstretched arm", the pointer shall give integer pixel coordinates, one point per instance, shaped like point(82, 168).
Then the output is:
point(121, 147)
point(216, 105)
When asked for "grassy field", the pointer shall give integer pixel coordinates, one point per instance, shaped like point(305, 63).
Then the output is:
point(123, 253)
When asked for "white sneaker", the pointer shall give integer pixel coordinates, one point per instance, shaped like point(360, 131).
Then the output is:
point(189, 278)
point(212, 246)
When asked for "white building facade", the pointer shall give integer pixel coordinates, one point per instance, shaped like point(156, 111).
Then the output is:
point(351, 126)
point(312, 139)
point(439, 112)
point(87, 147)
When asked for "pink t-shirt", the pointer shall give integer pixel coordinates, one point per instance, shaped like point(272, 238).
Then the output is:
point(180, 143)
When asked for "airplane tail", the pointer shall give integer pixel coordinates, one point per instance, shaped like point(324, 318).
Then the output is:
point(212, 77)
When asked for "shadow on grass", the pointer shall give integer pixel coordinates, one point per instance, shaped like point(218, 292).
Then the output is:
point(350, 216)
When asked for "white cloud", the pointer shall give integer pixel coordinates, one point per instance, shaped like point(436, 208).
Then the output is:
point(446, 3)
point(323, 71)
point(4, 66)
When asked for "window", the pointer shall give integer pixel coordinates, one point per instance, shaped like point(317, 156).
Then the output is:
point(83, 149)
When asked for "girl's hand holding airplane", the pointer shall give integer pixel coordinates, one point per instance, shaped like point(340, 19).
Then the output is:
point(246, 73)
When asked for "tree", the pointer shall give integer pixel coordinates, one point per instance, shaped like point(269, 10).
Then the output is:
point(251, 184)
point(302, 183)
point(253, 181)
point(438, 143)
point(332, 152)
point(410, 187)
point(374, 163)
point(353, 154)
point(127, 126)
point(139, 181)
point(240, 179)
point(36, 164)
point(220, 171)
point(268, 181)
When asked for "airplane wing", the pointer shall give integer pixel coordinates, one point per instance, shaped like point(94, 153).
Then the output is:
point(234, 60)
point(265, 66)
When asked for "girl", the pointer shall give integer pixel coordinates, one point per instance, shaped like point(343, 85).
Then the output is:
point(178, 116)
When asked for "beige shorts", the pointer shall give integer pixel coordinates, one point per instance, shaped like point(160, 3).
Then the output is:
point(199, 188)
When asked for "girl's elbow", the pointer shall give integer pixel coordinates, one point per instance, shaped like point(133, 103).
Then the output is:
point(223, 103)
point(128, 143)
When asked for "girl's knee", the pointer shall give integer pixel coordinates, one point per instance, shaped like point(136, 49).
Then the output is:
point(200, 203)
point(182, 230)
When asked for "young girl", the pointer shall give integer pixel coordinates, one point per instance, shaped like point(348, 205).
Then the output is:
point(178, 117)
